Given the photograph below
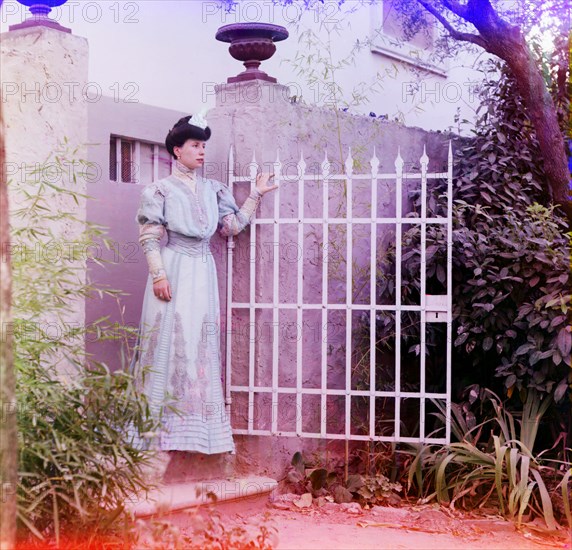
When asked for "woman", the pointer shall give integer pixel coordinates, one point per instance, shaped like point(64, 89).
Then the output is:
point(179, 335)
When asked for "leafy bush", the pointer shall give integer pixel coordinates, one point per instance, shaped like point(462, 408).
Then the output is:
point(306, 478)
point(76, 469)
point(511, 308)
point(368, 490)
point(511, 253)
point(374, 490)
point(518, 299)
point(511, 282)
point(76, 465)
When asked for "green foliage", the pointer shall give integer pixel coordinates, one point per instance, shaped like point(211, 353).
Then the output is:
point(519, 303)
point(511, 253)
point(368, 490)
point(511, 300)
point(306, 478)
point(374, 490)
point(319, 63)
point(493, 465)
point(511, 288)
point(315, 62)
point(76, 464)
point(76, 467)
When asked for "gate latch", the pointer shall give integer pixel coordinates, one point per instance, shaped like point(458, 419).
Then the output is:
point(436, 308)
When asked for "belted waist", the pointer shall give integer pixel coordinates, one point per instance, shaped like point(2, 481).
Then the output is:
point(183, 244)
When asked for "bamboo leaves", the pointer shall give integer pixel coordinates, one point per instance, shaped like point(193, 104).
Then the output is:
point(77, 465)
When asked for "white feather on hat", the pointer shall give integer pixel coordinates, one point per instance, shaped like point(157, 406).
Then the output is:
point(198, 119)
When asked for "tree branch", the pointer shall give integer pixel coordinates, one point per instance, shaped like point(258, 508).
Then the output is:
point(457, 35)
point(455, 7)
point(479, 6)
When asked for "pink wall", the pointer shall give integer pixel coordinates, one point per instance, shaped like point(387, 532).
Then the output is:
point(114, 205)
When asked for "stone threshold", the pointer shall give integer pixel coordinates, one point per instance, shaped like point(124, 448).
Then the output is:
point(180, 496)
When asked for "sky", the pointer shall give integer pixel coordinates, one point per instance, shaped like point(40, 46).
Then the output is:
point(164, 53)
point(156, 51)
point(140, 50)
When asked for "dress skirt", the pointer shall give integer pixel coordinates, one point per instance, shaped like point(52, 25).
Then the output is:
point(180, 341)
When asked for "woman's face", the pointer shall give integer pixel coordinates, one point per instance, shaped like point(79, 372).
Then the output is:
point(192, 153)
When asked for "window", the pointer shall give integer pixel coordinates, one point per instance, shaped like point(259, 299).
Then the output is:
point(132, 161)
point(388, 37)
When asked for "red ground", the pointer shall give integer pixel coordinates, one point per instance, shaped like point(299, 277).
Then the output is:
point(334, 526)
point(341, 526)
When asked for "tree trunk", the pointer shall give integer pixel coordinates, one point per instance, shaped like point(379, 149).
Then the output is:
point(507, 42)
point(540, 109)
point(8, 428)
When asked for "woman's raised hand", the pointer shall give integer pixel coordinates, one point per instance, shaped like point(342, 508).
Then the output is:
point(262, 183)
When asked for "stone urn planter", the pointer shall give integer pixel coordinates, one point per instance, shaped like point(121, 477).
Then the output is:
point(44, 7)
point(39, 10)
point(251, 43)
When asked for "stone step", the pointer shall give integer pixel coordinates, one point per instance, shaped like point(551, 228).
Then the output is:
point(246, 494)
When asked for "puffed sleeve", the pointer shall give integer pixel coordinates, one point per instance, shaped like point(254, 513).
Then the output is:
point(232, 219)
point(151, 220)
point(152, 205)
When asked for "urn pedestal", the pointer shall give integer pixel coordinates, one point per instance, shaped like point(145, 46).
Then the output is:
point(251, 43)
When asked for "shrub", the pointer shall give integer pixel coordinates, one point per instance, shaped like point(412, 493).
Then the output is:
point(76, 464)
point(368, 490)
point(76, 468)
point(511, 285)
point(493, 466)
point(511, 253)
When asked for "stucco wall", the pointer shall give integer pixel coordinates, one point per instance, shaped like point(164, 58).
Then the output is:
point(43, 74)
point(260, 118)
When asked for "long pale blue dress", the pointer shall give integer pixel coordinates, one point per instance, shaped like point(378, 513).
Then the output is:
point(180, 339)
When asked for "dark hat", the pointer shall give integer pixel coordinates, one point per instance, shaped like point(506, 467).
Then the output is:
point(184, 130)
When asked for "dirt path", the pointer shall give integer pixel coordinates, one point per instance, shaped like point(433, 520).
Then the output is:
point(346, 526)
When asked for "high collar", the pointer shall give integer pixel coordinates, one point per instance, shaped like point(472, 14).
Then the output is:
point(186, 175)
point(184, 171)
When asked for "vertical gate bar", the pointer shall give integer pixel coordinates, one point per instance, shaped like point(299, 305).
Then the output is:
point(324, 332)
point(229, 299)
point(299, 292)
point(349, 288)
point(374, 163)
point(423, 274)
point(449, 287)
point(275, 296)
point(398, 231)
point(252, 305)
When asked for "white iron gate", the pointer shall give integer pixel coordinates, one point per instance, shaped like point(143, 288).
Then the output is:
point(296, 386)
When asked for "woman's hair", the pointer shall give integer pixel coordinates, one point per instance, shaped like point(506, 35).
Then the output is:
point(182, 131)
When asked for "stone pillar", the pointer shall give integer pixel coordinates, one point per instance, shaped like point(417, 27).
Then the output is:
point(45, 98)
point(249, 116)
